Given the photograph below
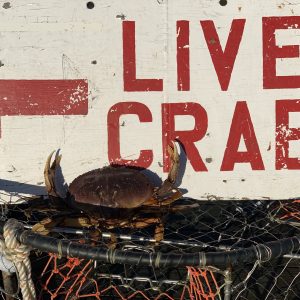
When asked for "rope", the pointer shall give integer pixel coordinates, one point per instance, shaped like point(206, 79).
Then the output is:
point(18, 254)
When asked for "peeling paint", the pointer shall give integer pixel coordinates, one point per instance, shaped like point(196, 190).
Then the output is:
point(121, 16)
point(213, 198)
point(11, 169)
point(208, 160)
point(6, 5)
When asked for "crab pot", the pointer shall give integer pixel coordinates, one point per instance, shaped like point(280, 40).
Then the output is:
point(231, 241)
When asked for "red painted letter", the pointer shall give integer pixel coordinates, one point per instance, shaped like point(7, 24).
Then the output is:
point(284, 134)
point(242, 126)
point(188, 137)
point(183, 56)
point(131, 83)
point(223, 60)
point(113, 117)
point(271, 52)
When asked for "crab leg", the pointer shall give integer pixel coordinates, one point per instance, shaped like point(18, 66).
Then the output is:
point(171, 197)
point(49, 174)
point(159, 232)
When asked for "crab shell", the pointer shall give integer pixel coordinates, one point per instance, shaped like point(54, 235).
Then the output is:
point(113, 187)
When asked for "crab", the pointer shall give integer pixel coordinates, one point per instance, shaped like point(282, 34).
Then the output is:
point(115, 197)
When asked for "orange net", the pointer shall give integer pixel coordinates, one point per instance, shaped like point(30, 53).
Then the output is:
point(287, 212)
point(67, 279)
point(291, 210)
point(203, 284)
point(73, 278)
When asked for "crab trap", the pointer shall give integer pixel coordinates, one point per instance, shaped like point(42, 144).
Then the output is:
point(216, 250)
point(115, 236)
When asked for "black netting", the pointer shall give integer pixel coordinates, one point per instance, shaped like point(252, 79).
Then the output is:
point(210, 227)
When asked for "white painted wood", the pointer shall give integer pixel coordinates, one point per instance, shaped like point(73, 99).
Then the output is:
point(59, 40)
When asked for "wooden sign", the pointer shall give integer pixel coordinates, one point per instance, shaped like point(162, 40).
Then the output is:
point(116, 82)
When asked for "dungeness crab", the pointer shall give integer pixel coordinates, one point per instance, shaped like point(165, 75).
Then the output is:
point(115, 197)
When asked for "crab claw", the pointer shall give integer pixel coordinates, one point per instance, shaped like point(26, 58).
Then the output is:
point(174, 157)
point(49, 173)
point(168, 184)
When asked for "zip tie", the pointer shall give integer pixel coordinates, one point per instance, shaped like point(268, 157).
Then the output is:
point(202, 259)
point(157, 260)
point(59, 249)
point(111, 255)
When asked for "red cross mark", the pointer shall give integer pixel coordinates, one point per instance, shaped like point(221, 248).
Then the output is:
point(43, 97)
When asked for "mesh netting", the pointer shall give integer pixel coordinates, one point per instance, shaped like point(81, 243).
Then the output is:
point(212, 227)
